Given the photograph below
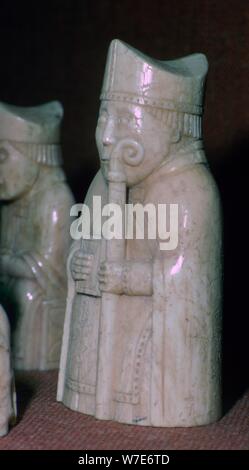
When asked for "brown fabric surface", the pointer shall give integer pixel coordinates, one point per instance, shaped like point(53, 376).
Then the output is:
point(45, 424)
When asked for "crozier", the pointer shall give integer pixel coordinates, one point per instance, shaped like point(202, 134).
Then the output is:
point(142, 331)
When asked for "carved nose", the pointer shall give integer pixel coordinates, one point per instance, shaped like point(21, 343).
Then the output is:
point(108, 136)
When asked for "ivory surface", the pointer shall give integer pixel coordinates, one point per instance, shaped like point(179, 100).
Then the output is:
point(7, 388)
point(142, 331)
point(34, 232)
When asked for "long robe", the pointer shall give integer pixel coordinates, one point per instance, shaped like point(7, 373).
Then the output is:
point(35, 229)
point(166, 347)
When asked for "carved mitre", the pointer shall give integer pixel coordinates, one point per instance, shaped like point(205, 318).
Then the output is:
point(38, 126)
point(174, 85)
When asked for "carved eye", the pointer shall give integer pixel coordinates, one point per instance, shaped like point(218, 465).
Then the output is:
point(3, 154)
point(102, 118)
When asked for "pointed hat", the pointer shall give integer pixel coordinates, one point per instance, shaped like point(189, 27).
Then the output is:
point(37, 125)
point(175, 85)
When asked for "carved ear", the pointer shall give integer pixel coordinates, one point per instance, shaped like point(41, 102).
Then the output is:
point(175, 136)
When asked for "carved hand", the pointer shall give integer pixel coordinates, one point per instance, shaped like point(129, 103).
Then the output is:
point(128, 277)
point(15, 266)
point(81, 265)
point(111, 277)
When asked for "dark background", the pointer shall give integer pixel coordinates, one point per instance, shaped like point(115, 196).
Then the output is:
point(57, 50)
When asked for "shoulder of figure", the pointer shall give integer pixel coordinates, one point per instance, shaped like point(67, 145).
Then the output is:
point(58, 196)
point(182, 186)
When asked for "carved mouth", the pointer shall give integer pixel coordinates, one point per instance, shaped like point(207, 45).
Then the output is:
point(105, 164)
point(105, 158)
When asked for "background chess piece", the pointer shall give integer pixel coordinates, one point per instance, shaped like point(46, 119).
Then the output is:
point(7, 388)
point(34, 238)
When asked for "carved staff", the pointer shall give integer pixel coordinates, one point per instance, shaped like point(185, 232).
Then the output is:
point(130, 152)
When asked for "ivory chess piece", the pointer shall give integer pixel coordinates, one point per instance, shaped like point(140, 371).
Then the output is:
point(142, 332)
point(34, 238)
point(7, 389)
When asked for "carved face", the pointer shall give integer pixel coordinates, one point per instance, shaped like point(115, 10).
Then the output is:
point(118, 121)
point(17, 172)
